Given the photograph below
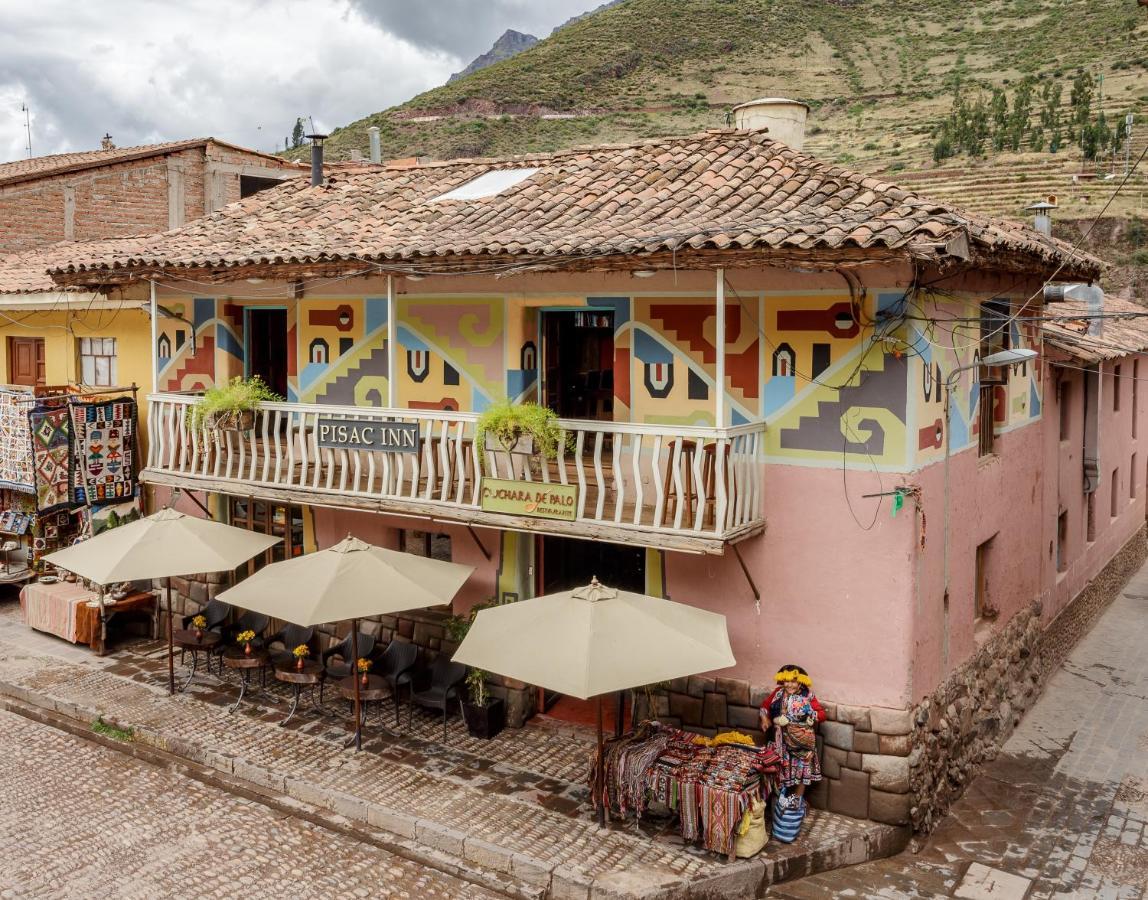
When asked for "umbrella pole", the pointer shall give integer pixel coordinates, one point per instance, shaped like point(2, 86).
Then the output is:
point(600, 778)
point(170, 645)
point(355, 675)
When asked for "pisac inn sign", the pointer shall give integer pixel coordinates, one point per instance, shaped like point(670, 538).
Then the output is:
point(369, 434)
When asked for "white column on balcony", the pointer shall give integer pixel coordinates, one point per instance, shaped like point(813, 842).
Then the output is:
point(392, 343)
point(719, 400)
point(155, 338)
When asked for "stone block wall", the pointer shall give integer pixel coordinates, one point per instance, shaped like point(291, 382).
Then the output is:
point(424, 628)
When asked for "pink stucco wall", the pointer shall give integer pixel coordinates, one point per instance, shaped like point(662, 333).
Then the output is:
point(835, 598)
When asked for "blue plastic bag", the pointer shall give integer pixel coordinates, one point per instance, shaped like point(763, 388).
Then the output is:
point(787, 822)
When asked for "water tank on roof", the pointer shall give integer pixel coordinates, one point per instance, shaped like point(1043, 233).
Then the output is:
point(784, 118)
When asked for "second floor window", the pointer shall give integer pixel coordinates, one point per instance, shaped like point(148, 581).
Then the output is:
point(98, 362)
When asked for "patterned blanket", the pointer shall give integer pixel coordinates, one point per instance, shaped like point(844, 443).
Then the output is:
point(15, 442)
point(53, 607)
point(104, 437)
point(50, 431)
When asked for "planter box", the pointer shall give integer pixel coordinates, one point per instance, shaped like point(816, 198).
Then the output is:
point(485, 721)
point(243, 420)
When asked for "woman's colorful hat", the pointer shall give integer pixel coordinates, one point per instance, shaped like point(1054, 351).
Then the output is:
point(793, 673)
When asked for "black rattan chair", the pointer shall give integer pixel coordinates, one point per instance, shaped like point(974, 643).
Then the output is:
point(249, 621)
point(216, 613)
point(344, 651)
point(446, 677)
point(289, 636)
point(397, 667)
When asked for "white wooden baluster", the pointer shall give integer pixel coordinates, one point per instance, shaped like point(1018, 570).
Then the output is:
point(599, 477)
point(254, 446)
point(371, 489)
point(616, 454)
point(183, 431)
point(429, 461)
point(659, 490)
point(241, 443)
point(562, 457)
point(153, 413)
point(756, 471)
point(356, 482)
point(460, 461)
point(476, 488)
point(739, 475)
point(580, 468)
point(444, 460)
point(344, 468)
point(303, 449)
point(636, 450)
point(268, 416)
point(318, 454)
point(162, 429)
point(679, 488)
point(416, 462)
point(699, 482)
point(171, 446)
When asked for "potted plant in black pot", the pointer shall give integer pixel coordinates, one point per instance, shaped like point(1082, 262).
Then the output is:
point(485, 715)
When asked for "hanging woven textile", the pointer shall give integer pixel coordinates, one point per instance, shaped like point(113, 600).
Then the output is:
point(104, 437)
point(50, 434)
point(15, 442)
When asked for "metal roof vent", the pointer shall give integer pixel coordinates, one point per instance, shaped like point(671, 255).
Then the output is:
point(488, 184)
point(783, 119)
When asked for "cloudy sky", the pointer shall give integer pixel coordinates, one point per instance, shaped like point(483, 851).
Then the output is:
point(239, 70)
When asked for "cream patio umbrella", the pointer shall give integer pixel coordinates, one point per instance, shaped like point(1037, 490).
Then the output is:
point(163, 545)
point(595, 640)
point(351, 580)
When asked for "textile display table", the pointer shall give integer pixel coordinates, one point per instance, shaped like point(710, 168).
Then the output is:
point(70, 611)
point(709, 787)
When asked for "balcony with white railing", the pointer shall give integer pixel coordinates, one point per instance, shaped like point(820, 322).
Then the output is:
point(667, 486)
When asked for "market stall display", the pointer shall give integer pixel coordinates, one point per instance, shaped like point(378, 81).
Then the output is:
point(709, 785)
point(74, 613)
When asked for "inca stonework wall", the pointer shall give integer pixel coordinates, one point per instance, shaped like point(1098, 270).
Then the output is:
point(907, 766)
point(425, 628)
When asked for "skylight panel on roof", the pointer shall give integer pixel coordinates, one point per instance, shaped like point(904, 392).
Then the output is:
point(487, 184)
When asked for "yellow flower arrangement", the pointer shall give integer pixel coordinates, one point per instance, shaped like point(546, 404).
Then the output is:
point(245, 636)
point(726, 737)
point(364, 665)
point(199, 622)
point(302, 651)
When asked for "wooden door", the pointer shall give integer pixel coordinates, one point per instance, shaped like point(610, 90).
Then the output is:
point(26, 361)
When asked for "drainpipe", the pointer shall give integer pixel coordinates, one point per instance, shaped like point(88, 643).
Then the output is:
point(392, 343)
point(719, 402)
point(154, 338)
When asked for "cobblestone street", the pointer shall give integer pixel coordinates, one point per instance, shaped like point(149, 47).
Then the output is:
point(80, 820)
point(1061, 812)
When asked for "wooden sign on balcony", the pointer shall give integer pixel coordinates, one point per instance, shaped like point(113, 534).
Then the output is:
point(368, 434)
point(529, 498)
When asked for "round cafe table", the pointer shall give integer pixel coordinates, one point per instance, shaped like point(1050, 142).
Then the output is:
point(310, 674)
point(235, 658)
point(375, 689)
point(189, 641)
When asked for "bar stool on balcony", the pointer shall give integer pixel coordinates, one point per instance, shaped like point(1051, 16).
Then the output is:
point(689, 493)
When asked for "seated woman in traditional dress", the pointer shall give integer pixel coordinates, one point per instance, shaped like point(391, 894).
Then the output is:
point(792, 710)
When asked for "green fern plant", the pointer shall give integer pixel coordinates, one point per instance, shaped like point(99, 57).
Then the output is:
point(508, 421)
point(224, 405)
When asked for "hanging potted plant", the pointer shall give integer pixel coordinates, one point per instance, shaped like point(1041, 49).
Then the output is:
point(520, 428)
point(231, 406)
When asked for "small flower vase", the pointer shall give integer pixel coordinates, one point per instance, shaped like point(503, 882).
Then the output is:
point(247, 649)
point(363, 679)
point(199, 635)
point(299, 663)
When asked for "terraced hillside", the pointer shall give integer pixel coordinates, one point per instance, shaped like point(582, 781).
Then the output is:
point(879, 74)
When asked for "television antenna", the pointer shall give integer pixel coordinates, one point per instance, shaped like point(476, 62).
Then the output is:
point(24, 108)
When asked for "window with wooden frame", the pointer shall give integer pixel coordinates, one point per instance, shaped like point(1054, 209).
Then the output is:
point(996, 324)
point(281, 520)
point(97, 361)
point(425, 543)
point(982, 605)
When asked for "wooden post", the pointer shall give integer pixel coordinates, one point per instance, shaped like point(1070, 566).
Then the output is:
point(719, 397)
point(600, 776)
point(170, 643)
point(355, 676)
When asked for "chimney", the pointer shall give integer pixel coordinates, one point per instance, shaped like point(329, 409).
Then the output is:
point(783, 119)
point(1042, 220)
point(376, 146)
point(106, 143)
point(316, 158)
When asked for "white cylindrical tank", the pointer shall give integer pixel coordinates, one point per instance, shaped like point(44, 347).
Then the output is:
point(784, 119)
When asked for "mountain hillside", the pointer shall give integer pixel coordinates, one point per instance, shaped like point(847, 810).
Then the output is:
point(879, 74)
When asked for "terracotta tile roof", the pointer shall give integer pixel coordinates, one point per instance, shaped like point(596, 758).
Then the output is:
point(26, 271)
point(722, 190)
point(1123, 330)
point(62, 163)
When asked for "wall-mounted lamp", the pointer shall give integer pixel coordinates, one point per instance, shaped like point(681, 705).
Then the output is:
point(413, 277)
point(643, 273)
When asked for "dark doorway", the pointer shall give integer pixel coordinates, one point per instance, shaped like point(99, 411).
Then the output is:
point(579, 355)
point(566, 563)
point(267, 347)
point(26, 361)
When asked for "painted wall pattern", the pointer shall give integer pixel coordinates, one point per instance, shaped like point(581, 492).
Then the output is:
point(806, 362)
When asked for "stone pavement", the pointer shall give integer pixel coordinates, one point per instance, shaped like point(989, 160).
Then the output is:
point(513, 810)
point(80, 820)
point(1061, 812)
